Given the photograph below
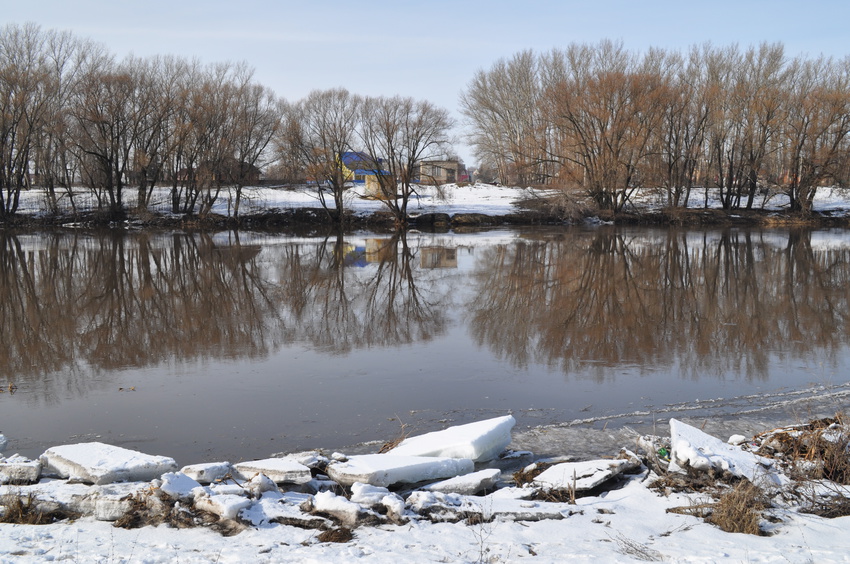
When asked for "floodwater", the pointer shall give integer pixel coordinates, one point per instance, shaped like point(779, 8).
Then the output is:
point(234, 346)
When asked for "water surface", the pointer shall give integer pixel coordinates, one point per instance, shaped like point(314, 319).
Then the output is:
point(240, 345)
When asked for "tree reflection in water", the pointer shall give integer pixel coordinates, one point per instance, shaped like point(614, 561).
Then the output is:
point(705, 302)
point(105, 301)
point(701, 302)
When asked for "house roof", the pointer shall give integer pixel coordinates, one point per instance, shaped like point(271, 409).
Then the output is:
point(362, 163)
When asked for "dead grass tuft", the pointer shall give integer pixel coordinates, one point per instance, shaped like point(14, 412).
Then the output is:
point(26, 510)
point(341, 535)
point(739, 510)
point(819, 449)
point(527, 474)
point(402, 434)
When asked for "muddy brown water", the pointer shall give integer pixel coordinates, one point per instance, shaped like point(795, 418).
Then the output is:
point(238, 345)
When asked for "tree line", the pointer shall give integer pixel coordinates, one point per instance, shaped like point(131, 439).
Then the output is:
point(75, 118)
point(605, 121)
point(592, 118)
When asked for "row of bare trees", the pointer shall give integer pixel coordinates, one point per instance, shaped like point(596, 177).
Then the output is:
point(607, 121)
point(72, 115)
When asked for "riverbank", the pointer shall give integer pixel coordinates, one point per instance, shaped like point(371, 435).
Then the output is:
point(436, 209)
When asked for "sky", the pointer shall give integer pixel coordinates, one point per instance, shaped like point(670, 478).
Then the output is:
point(427, 50)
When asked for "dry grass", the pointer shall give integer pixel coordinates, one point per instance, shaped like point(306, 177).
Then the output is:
point(341, 535)
point(403, 433)
point(527, 474)
point(739, 510)
point(819, 449)
point(26, 510)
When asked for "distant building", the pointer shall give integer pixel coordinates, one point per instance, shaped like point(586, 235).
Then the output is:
point(363, 169)
point(442, 172)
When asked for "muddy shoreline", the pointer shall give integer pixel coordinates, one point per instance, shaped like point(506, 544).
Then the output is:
point(313, 220)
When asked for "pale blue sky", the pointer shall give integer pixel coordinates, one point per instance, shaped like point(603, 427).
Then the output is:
point(422, 49)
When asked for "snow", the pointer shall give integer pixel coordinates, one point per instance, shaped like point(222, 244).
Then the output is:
point(388, 469)
point(226, 506)
point(99, 463)
point(691, 447)
point(628, 524)
point(479, 441)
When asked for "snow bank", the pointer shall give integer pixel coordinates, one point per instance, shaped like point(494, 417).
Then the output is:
point(99, 463)
point(691, 447)
point(388, 469)
point(479, 441)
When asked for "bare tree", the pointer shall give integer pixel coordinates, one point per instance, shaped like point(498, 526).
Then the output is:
point(606, 111)
point(816, 129)
point(397, 133)
point(257, 116)
point(320, 129)
point(503, 107)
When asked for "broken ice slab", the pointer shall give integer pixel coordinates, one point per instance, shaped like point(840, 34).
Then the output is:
point(479, 441)
point(388, 469)
point(692, 448)
point(19, 470)
point(468, 484)
point(226, 506)
point(104, 503)
point(99, 463)
point(209, 472)
point(439, 507)
point(582, 476)
point(280, 470)
point(178, 485)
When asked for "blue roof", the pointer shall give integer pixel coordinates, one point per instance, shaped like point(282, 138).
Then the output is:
point(363, 163)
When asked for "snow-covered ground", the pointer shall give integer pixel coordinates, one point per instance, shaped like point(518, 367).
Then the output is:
point(478, 198)
point(626, 522)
